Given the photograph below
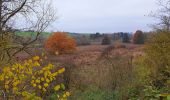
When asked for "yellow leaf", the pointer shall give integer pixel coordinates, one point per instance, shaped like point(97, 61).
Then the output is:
point(36, 58)
point(6, 87)
point(68, 93)
point(61, 70)
point(42, 79)
point(56, 88)
point(44, 90)
point(64, 96)
point(37, 81)
point(47, 80)
point(46, 85)
point(39, 86)
point(36, 63)
point(30, 61)
point(34, 85)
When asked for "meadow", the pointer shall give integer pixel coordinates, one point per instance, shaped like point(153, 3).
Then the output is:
point(115, 71)
point(111, 64)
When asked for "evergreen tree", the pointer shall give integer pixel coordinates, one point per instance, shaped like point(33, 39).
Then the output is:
point(125, 38)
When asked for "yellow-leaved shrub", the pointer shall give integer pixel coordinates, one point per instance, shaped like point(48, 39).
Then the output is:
point(30, 80)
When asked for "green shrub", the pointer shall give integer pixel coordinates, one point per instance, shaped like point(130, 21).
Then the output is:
point(140, 88)
point(153, 70)
point(158, 58)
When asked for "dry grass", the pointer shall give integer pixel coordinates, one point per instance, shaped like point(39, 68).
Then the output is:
point(84, 67)
point(107, 74)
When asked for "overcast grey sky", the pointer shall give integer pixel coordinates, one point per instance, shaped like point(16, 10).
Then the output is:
point(103, 15)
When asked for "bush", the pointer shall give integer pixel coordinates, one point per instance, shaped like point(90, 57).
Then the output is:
point(140, 81)
point(106, 40)
point(60, 43)
point(153, 70)
point(158, 58)
point(30, 80)
point(83, 40)
point(138, 37)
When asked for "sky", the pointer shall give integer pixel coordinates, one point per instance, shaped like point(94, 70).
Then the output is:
point(105, 16)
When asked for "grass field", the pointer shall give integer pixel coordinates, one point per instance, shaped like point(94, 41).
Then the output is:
point(47, 34)
point(28, 34)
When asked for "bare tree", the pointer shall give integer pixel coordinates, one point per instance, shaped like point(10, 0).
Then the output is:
point(163, 15)
point(35, 15)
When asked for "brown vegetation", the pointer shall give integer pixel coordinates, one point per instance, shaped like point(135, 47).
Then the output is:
point(138, 37)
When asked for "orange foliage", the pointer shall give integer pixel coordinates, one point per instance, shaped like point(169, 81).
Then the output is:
point(60, 42)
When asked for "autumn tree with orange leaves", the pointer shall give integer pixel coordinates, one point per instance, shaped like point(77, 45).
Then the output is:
point(60, 43)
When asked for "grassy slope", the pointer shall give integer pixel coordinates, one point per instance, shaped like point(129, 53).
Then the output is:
point(27, 34)
point(47, 34)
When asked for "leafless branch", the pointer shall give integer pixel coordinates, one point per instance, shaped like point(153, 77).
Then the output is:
point(163, 15)
point(38, 14)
